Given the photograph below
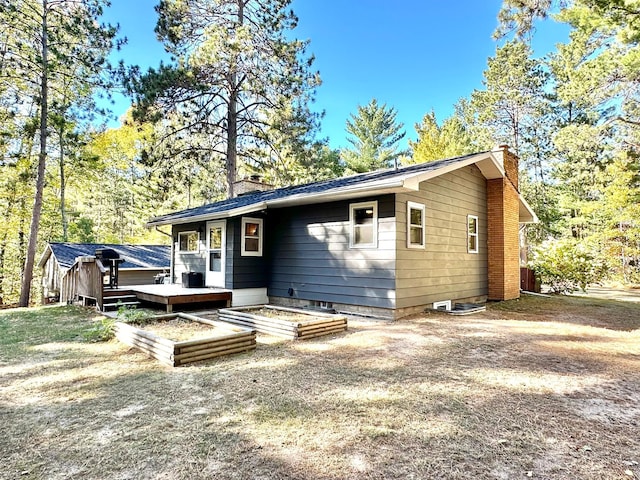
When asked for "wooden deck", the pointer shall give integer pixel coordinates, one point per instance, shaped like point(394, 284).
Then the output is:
point(173, 294)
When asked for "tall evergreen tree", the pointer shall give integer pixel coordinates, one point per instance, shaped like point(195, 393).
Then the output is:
point(235, 68)
point(513, 92)
point(44, 43)
point(435, 142)
point(374, 134)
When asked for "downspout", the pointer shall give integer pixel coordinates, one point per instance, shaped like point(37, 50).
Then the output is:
point(164, 233)
point(157, 228)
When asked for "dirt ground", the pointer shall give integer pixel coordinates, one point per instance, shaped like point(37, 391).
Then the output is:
point(545, 388)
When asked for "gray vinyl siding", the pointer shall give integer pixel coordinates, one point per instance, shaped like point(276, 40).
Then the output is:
point(443, 270)
point(188, 262)
point(309, 252)
point(248, 271)
point(138, 277)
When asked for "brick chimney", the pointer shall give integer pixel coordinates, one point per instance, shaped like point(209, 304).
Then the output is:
point(503, 244)
point(250, 184)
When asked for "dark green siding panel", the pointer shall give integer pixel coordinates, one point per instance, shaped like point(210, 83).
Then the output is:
point(309, 254)
point(246, 272)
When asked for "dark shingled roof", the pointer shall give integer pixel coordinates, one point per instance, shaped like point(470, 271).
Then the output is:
point(135, 256)
point(307, 189)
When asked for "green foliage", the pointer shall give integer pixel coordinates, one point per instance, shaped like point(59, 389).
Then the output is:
point(81, 231)
point(513, 95)
point(435, 142)
point(238, 91)
point(103, 331)
point(54, 60)
point(374, 133)
point(132, 315)
point(518, 16)
point(22, 329)
point(566, 265)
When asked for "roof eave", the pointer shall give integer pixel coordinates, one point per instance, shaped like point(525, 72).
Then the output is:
point(45, 256)
point(159, 221)
point(372, 188)
point(526, 213)
point(489, 166)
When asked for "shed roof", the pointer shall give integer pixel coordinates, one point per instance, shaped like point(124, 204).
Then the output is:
point(135, 256)
point(378, 182)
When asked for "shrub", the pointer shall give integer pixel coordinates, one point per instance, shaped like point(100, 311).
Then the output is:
point(132, 315)
point(566, 266)
point(101, 332)
point(105, 330)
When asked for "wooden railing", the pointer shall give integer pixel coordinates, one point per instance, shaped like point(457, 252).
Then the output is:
point(84, 280)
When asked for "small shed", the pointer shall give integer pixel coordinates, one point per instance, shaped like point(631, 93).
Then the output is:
point(142, 263)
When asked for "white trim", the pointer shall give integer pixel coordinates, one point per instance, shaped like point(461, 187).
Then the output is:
point(260, 237)
point(359, 206)
point(470, 235)
point(188, 232)
point(444, 303)
point(525, 212)
point(421, 207)
point(490, 166)
point(213, 278)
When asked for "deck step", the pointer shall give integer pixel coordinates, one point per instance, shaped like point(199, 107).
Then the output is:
point(107, 306)
point(116, 299)
point(107, 293)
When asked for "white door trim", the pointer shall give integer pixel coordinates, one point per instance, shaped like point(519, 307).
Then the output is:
point(216, 278)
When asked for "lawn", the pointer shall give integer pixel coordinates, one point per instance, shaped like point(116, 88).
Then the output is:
point(535, 388)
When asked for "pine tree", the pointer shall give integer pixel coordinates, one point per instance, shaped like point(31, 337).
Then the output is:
point(436, 142)
point(374, 134)
point(46, 42)
point(235, 68)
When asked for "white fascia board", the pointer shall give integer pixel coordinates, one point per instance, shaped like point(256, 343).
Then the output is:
point(488, 164)
point(255, 207)
point(45, 256)
point(526, 213)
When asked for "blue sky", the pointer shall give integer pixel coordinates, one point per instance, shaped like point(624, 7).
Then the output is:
point(413, 55)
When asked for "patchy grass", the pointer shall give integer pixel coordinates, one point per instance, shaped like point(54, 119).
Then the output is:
point(536, 388)
point(22, 329)
point(575, 310)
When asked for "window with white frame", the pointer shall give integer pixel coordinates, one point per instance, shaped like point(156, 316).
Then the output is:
point(472, 234)
point(188, 242)
point(251, 237)
point(415, 225)
point(363, 223)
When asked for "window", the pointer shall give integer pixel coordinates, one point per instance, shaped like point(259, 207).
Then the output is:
point(252, 237)
point(472, 234)
point(363, 221)
point(415, 225)
point(188, 242)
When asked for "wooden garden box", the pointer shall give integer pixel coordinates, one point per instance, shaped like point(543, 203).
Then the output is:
point(285, 322)
point(225, 340)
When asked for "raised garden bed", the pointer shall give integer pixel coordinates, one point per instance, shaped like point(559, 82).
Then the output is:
point(203, 340)
point(285, 322)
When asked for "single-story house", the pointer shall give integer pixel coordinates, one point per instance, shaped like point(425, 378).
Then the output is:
point(386, 243)
point(141, 263)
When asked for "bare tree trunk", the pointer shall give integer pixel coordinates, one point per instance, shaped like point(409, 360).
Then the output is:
point(232, 118)
point(232, 138)
point(25, 291)
point(63, 180)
